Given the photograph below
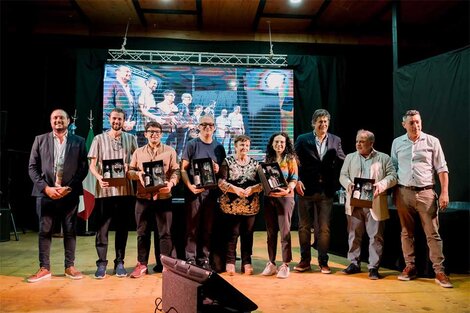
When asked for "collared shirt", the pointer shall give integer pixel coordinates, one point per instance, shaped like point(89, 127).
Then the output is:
point(321, 145)
point(59, 156)
point(417, 162)
point(366, 164)
point(104, 147)
point(170, 167)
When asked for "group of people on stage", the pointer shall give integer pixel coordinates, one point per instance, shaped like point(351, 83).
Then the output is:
point(216, 218)
point(178, 122)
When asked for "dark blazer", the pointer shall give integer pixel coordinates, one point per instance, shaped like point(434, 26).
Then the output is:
point(319, 175)
point(41, 164)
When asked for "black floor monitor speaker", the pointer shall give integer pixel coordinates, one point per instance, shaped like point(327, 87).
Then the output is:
point(187, 288)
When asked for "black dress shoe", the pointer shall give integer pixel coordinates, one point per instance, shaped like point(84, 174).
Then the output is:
point(374, 274)
point(158, 268)
point(351, 269)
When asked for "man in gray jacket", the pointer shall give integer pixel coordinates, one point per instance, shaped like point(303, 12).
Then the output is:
point(368, 163)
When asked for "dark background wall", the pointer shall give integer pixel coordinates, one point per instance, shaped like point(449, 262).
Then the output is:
point(39, 74)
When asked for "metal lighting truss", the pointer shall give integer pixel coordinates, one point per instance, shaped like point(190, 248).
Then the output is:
point(198, 58)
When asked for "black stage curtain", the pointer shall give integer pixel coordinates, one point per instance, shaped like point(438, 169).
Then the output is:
point(438, 88)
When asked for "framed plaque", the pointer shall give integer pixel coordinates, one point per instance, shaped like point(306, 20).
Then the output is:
point(271, 177)
point(114, 172)
point(363, 192)
point(154, 175)
point(203, 173)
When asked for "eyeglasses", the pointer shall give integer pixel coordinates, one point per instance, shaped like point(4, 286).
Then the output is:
point(116, 144)
point(156, 132)
point(206, 124)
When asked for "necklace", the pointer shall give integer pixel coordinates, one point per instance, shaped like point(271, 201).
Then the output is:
point(242, 162)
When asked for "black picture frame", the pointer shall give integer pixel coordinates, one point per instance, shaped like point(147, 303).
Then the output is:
point(363, 192)
point(271, 177)
point(114, 172)
point(203, 169)
point(155, 173)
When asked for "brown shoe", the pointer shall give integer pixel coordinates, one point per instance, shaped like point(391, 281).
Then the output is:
point(41, 274)
point(303, 266)
point(73, 273)
point(443, 280)
point(408, 273)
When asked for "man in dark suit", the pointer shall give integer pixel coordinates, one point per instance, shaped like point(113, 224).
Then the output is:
point(57, 166)
point(320, 155)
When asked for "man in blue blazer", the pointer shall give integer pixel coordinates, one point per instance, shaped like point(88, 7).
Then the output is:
point(320, 155)
point(57, 166)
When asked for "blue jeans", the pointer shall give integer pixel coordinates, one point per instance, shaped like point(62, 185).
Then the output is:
point(314, 212)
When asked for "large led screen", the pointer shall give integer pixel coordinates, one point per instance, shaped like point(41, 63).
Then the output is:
point(253, 101)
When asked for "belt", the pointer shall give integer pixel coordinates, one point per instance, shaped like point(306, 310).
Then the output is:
point(414, 188)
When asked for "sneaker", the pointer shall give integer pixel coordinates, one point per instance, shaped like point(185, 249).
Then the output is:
point(73, 273)
point(351, 269)
point(374, 274)
point(443, 280)
point(41, 274)
point(269, 270)
point(158, 268)
point(247, 269)
point(139, 270)
point(325, 269)
point(100, 272)
point(303, 266)
point(120, 271)
point(230, 269)
point(283, 271)
point(408, 273)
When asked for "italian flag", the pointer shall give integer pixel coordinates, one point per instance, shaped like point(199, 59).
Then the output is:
point(87, 200)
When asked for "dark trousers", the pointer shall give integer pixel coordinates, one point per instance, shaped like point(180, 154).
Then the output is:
point(150, 213)
point(315, 212)
point(278, 216)
point(115, 210)
point(240, 226)
point(65, 211)
point(199, 219)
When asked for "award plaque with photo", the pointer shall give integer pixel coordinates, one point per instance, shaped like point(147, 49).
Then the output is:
point(271, 177)
point(203, 173)
point(154, 175)
point(363, 192)
point(114, 172)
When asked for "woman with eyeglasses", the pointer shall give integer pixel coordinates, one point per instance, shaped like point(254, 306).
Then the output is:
point(240, 202)
point(200, 202)
point(153, 205)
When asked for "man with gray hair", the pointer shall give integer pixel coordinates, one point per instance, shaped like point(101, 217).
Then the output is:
point(368, 163)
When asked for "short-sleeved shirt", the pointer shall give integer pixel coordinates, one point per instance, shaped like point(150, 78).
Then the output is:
point(104, 147)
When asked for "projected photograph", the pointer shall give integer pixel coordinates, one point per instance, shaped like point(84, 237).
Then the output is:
point(253, 101)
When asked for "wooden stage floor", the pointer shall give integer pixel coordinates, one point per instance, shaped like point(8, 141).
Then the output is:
point(301, 292)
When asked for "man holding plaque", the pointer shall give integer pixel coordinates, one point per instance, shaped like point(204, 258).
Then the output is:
point(368, 163)
point(200, 202)
point(112, 201)
point(153, 206)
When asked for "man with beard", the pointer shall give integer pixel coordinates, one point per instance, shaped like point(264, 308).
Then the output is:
point(112, 202)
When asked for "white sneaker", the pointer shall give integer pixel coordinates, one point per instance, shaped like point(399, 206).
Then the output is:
point(269, 270)
point(283, 271)
point(230, 269)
